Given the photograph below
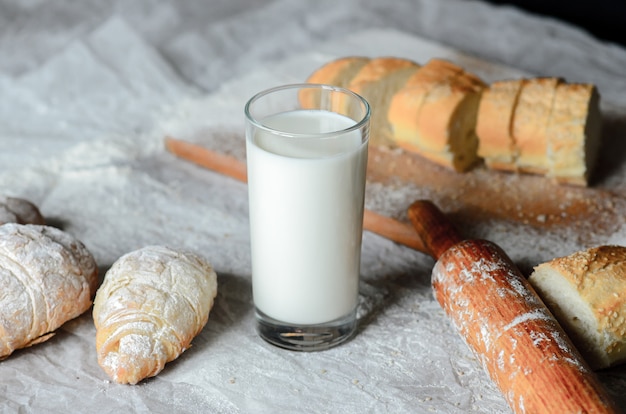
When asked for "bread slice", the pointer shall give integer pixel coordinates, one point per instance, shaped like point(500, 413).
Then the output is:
point(447, 120)
point(435, 114)
point(405, 105)
point(338, 72)
point(586, 292)
point(530, 123)
point(573, 133)
point(377, 82)
point(494, 124)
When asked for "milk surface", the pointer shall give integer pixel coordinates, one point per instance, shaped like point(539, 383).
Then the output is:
point(306, 208)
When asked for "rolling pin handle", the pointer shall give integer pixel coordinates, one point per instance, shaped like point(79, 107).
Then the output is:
point(437, 233)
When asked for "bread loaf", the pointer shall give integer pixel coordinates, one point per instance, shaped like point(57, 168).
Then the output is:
point(450, 116)
point(47, 278)
point(586, 291)
point(17, 210)
point(152, 303)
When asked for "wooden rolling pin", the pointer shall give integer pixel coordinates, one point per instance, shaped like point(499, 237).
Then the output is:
point(505, 323)
point(397, 231)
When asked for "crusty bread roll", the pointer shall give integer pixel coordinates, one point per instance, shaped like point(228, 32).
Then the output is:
point(494, 124)
point(47, 277)
point(152, 303)
point(586, 291)
point(573, 133)
point(18, 210)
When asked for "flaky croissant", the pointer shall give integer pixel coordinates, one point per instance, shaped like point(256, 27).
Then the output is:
point(47, 277)
point(152, 303)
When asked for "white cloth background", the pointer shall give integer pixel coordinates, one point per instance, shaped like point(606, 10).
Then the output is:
point(87, 92)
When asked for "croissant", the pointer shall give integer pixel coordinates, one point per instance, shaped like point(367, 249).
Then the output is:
point(152, 303)
point(17, 210)
point(47, 277)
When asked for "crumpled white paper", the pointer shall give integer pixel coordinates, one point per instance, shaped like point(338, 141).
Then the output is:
point(82, 137)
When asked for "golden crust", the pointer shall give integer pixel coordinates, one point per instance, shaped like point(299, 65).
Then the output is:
point(378, 82)
point(405, 105)
point(376, 69)
point(338, 72)
point(597, 279)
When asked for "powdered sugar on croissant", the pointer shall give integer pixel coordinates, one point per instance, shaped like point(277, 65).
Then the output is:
point(152, 303)
point(47, 277)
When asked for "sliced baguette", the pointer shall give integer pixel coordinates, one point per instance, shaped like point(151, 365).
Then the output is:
point(435, 114)
point(447, 120)
point(377, 82)
point(405, 105)
point(573, 133)
point(530, 123)
point(494, 124)
point(338, 72)
point(586, 291)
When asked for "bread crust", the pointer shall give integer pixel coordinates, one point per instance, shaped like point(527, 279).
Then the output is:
point(587, 293)
point(48, 278)
point(406, 104)
point(378, 81)
point(338, 72)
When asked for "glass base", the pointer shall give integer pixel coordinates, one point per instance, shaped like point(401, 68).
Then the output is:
point(306, 337)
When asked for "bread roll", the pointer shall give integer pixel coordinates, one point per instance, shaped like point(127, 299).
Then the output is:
point(47, 277)
point(152, 303)
point(586, 291)
point(17, 210)
point(573, 133)
point(494, 124)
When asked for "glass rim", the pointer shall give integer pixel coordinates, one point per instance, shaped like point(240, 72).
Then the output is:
point(258, 124)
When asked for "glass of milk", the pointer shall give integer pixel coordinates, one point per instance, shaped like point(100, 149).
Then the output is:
point(307, 156)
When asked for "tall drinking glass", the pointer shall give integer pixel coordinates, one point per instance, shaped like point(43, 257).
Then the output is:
point(307, 157)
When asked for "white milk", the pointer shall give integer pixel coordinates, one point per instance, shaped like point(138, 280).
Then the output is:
point(306, 209)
